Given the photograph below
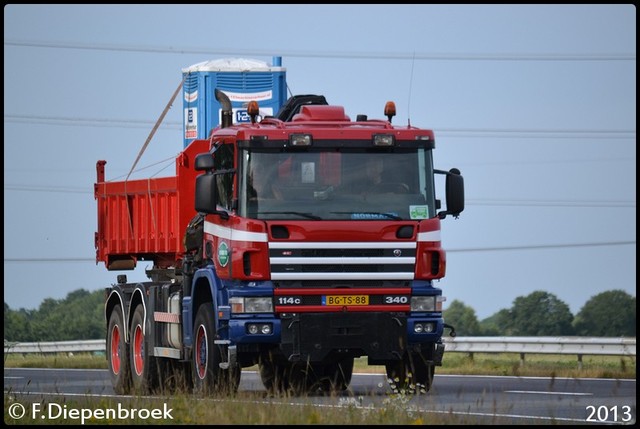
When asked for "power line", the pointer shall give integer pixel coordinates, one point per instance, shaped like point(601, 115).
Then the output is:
point(36, 188)
point(538, 134)
point(542, 246)
point(469, 250)
point(85, 122)
point(49, 260)
point(474, 202)
point(327, 54)
point(78, 190)
point(551, 203)
point(464, 132)
point(511, 163)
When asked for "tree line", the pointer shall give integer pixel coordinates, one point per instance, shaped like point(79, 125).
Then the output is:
point(607, 314)
point(80, 316)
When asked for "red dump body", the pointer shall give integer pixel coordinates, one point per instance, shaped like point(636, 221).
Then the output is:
point(145, 219)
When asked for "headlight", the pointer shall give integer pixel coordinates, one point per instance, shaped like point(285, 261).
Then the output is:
point(423, 303)
point(251, 304)
point(300, 139)
point(384, 139)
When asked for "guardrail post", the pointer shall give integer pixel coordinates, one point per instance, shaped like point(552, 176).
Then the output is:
point(580, 362)
point(521, 359)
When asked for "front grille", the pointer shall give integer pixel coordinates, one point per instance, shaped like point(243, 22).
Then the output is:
point(320, 284)
point(342, 261)
point(340, 268)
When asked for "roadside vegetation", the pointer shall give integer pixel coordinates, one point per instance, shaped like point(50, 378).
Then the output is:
point(80, 316)
point(255, 409)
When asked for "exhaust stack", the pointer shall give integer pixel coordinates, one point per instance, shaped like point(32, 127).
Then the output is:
point(227, 112)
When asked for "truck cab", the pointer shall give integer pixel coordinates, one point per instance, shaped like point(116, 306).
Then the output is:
point(333, 228)
point(297, 242)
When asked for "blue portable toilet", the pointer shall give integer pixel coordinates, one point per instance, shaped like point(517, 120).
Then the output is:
point(242, 80)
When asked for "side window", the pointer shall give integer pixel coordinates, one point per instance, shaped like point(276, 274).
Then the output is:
point(223, 160)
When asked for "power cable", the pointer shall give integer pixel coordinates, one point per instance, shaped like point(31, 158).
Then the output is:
point(466, 132)
point(318, 54)
point(468, 250)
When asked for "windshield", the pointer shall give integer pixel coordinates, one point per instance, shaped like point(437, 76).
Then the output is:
point(339, 184)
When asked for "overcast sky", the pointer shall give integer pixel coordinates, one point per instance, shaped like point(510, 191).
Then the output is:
point(535, 104)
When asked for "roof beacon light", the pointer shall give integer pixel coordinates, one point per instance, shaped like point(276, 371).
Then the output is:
point(253, 110)
point(390, 110)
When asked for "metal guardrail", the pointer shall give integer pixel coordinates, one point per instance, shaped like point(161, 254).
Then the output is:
point(579, 346)
point(624, 346)
point(553, 345)
point(56, 347)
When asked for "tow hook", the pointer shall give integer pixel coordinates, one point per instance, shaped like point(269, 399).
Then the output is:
point(452, 333)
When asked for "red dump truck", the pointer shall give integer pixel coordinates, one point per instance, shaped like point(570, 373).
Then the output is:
point(296, 242)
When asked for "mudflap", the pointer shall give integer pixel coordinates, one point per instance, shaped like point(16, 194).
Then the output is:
point(438, 353)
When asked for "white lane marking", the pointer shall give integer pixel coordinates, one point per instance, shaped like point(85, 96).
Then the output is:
point(542, 392)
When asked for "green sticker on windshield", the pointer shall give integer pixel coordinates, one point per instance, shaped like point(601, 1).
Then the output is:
point(419, 212)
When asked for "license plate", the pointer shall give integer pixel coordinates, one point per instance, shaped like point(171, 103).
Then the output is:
point(345, 300)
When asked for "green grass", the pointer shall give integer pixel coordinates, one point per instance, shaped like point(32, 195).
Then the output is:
point(534, 365)
point(539, 365)
point(242, 409)
point(57, 360)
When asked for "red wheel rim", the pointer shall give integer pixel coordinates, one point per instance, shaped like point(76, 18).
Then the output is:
point(201, 352)
point(115, 350)
point(138, 350)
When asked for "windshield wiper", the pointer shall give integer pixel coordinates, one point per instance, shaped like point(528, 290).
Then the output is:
point(370, 215)
point(301, 214)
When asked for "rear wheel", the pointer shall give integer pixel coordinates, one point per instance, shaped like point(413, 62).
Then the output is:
point(118, 353)
point(143, 365)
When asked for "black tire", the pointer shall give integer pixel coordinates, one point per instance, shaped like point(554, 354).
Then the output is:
point(337, 376)
point(283, 378)
point(413, 374)
point(302, 378)
point(144, 370)
point(273, 373)
point(208, 377)
point(118, 353)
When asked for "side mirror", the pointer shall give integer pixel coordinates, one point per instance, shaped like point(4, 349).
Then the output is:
point(454, 190)
point(204, 162)
point(206, 193)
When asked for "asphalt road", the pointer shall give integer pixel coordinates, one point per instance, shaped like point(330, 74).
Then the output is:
point(486, 399)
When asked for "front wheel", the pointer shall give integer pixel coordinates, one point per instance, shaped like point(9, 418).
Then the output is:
point(337, 376)
point(207, 375)
point(413, 374)
point(273, 373)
